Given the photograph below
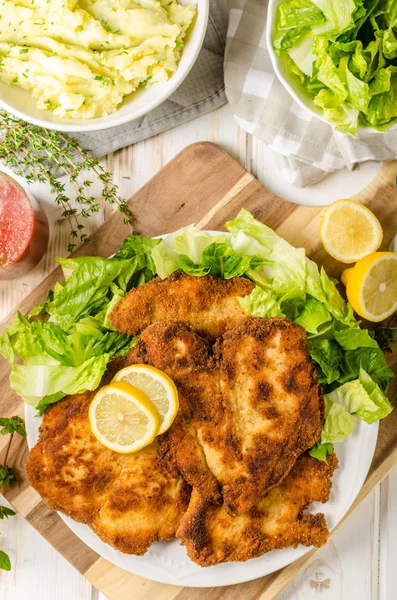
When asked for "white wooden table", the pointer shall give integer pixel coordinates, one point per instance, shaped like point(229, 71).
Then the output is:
point(359, 562)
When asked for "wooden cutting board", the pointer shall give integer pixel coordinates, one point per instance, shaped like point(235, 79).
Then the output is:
point(205, 186)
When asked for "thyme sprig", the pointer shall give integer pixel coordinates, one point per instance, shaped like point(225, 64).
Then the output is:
point(32, 152)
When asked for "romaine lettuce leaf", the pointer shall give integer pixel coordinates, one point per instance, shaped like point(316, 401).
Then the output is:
point(339, 422)
point(372, 360)
point(33, 381)
point(69, 352)
point(338, 425)
point(314, 314)
point(190, 242)
point(348, 59)
point(288, 269)
point(362, 397)
point(328, 356)
point(353, 338)
point(338, 16)
point(294, 20)
point(86, 289)
point(219, 259)
point(320, 451)
point(290, 272)
point(56, 362)
point(259, 303)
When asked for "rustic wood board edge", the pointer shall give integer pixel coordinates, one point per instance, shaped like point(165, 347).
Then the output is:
point(201, 185)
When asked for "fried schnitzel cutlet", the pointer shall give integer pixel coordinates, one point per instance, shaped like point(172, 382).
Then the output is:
point(130, 501)
point(229, 476)
point(212, 536)
point(255, 405)
point(207, 304)
point(269, 383)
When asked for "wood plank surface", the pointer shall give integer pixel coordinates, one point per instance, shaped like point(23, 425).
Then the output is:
point(202, 185)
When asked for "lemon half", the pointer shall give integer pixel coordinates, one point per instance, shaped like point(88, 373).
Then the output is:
point(349, 231)
point(157, 386)
point(122, 418)
point(371, 286)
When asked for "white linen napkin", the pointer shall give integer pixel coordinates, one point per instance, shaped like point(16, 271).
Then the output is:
point(306, 148)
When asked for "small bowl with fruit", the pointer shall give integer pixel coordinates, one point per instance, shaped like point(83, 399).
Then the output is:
point(24, 230)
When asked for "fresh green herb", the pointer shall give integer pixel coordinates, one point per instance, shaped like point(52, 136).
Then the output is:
point(9, 426)
point(7, 477)
point(5, 562)
point(6, 512)
point(30, 151)
point(98, 77)
point(24, 51)
point(12, 425)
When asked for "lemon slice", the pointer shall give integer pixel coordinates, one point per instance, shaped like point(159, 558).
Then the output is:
point(371, 286)
point(349, 231)
point(122, 418)
point(157, 386)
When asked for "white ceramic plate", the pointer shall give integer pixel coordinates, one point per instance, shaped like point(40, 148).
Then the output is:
point(20, 103)
point(168, 562)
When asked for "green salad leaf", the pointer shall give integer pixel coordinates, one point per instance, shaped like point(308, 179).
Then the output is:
point(343, 54)
point(362, 397)
point(68, 353)
point(259, 303)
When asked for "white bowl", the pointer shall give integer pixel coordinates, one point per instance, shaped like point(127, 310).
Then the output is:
point(298, 92)
point(21, 104)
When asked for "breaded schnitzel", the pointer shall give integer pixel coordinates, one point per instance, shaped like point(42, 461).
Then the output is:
point(247, 412)
point(130, 501)
point(186, 358)
point(269, 383)
point(250, 405)
point(212, 536)
point(207, 304)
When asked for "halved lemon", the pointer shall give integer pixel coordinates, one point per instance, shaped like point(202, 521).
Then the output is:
point(157, 386)
point(122, 418)
point(371, 286)
point(349, 231)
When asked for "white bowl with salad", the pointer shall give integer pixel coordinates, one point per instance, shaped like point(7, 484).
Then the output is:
point(336, 59)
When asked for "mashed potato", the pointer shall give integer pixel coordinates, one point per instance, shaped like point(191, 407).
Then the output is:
point(79, 58)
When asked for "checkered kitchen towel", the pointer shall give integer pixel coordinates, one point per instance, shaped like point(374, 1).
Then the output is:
point(306, 148)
